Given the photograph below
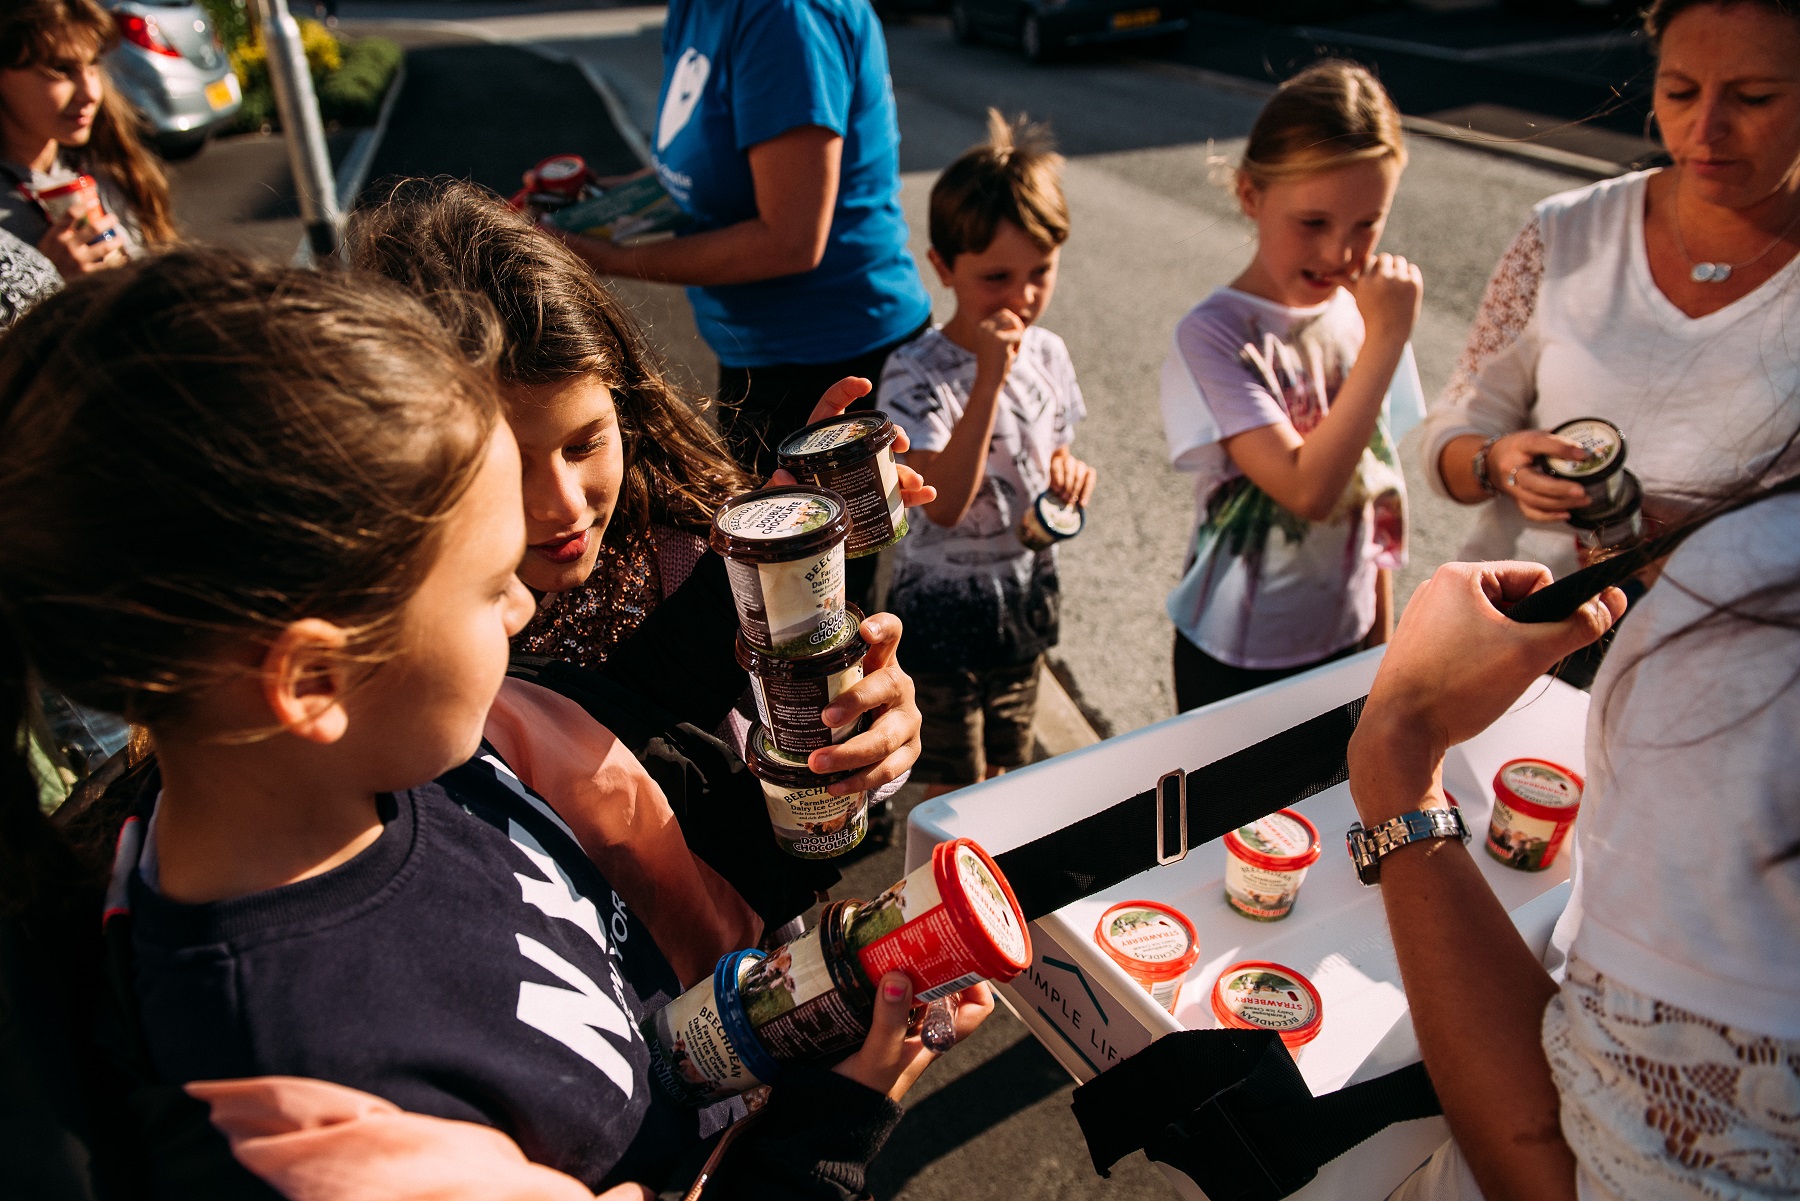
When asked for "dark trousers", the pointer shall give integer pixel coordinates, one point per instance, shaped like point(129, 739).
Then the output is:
point(1201, 679)
point(759, 406)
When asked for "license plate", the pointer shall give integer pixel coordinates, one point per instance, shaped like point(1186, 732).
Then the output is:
point(1136, 18)
point(222, 93)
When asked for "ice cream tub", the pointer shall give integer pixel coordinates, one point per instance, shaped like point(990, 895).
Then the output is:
point(1265, 863)
point(73, 196)
point(1156, 945)
point(1600, 474)
point(1602, 530)
point(1535, 803)
point(809, 821)
point(808, 999)
point(695, 1056)
point(1258, 995)
point(790, 693)
point(561, 175)
point(853, 456)
point(784, 553)
point(952, 922)
point(1049, 520)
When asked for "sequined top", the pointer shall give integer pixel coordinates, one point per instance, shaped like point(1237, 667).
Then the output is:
point(631, 576)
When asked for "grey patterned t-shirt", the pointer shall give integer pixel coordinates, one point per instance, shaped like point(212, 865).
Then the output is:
point(972, 595)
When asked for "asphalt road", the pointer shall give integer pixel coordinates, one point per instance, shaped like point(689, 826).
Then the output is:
point(492, 87)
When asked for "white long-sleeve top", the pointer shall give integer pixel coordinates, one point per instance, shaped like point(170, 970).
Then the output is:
point(1572, 325)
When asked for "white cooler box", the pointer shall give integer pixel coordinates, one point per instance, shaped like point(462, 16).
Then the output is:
point(1090, 1014)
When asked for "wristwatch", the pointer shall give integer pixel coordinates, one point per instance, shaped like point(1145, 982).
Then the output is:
point(1368, 847)
point(1479, 466)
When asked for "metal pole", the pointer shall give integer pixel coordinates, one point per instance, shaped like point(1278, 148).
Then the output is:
point(305, 131)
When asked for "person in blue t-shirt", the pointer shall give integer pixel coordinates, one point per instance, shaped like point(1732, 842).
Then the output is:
point(776, 133)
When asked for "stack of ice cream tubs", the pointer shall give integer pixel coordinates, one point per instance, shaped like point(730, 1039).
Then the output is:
point(950, 923)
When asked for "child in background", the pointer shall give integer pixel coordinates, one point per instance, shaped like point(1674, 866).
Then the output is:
point(990, 402)
point(1285, 395)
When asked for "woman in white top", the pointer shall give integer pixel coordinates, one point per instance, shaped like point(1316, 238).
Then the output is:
point(1667, 302)
point(1666, 1064)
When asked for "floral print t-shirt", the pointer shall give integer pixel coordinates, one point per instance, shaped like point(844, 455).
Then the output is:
point(1264, 588)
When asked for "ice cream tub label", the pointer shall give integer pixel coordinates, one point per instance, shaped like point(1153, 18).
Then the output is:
point(784, 553)
point(73, 196)
point(1049, 520)
point(1156, 945)
point(797, 999)
point(809, 821)
point(1257, 995)
point(1265, 863)
point(791, 693)
point(953, 921)
point(1599, 473)
point(692, 1056)
point(853, 456)
point(1535, 804)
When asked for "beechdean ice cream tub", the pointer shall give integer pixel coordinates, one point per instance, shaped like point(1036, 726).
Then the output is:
point(699, 1048)
point(1156, 945)
point(809, 999)
point(1049, 520)
point(1258, 995)
point(853, 456)
point(810, 822)
point(784, 553)
point(952, 922)
point(1265, 862)
point(1601, 473)
point(791, 693)
point(1535, 803)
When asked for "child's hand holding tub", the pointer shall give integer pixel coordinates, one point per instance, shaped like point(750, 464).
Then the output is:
point(1278, 396)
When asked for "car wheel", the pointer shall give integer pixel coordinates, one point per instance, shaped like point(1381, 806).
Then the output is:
point(174, 147)
point(1037, 47)
point(962, 24)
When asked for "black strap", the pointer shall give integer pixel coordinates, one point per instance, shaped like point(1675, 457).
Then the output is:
point(1229, 1109)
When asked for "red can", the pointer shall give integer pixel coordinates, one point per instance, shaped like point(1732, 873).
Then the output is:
point(952, 922)
point(1535, 803)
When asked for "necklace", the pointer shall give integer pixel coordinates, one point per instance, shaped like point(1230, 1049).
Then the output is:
point(1718, 273)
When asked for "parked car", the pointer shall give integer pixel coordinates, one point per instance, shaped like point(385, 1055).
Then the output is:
point(169, 63)
point(1044, 27)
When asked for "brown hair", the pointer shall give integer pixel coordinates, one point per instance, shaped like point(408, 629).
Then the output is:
point(196, 451)
point(37, 32)
point(1660, 12)
point(1330, 115)
point(451, 242)
point(1013, 176)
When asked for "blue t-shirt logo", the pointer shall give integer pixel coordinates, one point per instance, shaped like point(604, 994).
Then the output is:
point(685, 86)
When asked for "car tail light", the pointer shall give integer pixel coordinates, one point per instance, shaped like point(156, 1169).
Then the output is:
point(142, 31)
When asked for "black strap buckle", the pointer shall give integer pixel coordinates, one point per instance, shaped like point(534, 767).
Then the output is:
point(1172, 786)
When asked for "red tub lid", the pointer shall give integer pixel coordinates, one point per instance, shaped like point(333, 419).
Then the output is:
point(1148, 939)
point(1538, 788)
point(982, 906)
point(1281, 842)
point(1259, 995)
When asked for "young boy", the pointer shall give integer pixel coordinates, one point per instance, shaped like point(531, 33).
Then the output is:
point(990, 402)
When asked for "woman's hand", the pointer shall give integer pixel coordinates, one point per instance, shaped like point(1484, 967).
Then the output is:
point(71, 247)
point(890, 745)
point(1455, 664)
point(1070, 478)
point(840, 396)
point(1513, 472)
point(889, 1061)
point(1388, 292)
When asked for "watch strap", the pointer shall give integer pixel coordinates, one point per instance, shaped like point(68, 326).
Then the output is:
point(1479, 466)
point(1369, 847)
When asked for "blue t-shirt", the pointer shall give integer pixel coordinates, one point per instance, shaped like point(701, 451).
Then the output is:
point(740, 72)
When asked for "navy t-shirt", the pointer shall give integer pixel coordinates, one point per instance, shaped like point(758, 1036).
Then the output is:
point(471, 964)
point(740, 72)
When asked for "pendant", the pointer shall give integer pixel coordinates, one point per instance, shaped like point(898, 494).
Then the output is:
point(1710, 273)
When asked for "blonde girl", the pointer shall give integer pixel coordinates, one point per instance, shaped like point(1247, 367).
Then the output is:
point(1278, 395)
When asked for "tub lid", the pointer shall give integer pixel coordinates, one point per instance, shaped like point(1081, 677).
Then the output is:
point(837, 441)
point(1281, 842)
point(774, 765)
point(728, 974)
point(1603, 442)
point(561, 173)
point(983, 909)
point(1259, 995)
point(1622, 508)
point(1063, 520)
point(841, 653)
point(1148, 939)
point(1538, 788)
point(779, 525)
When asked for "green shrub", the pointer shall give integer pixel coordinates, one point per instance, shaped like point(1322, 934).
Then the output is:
point(231, 21)
point(352, 94)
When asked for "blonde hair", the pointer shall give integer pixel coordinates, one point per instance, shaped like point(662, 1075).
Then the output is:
point(1331, 115)
point(1013, 176)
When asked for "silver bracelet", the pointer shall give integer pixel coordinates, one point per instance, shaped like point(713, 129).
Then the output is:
point(1479, 465)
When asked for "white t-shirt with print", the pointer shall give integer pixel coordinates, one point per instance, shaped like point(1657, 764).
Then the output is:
point(1264, 588)
point(973, 595)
